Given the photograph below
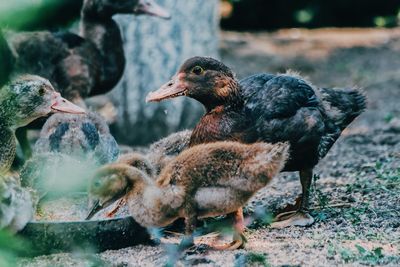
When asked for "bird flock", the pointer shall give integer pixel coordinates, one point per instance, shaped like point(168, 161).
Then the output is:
point(252, 130)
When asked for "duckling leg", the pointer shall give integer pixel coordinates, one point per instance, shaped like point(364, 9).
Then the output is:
point(238, 237)
point(301, 217)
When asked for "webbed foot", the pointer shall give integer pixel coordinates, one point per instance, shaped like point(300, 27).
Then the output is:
point(292, 218)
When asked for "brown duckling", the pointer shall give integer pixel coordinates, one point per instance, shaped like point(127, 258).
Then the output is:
point(203, 181)
point(269, 108)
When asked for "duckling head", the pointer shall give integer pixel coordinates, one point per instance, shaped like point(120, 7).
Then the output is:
point(110, 183)
point(29, 97)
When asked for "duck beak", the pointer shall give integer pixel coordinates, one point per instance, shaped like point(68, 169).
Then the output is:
point(174, 88)
point(61, 104)
point(96, 207)
point(149, 7)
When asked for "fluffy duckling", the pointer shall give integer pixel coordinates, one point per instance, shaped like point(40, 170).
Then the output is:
point(203, 181)
point(17, 205)
point(79, 135)
point(166, 149)
point(22, 101)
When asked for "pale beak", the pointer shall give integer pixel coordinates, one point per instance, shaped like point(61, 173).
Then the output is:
point(174, 88)
point(149, 7)
point(96, 207)
point(61, 104)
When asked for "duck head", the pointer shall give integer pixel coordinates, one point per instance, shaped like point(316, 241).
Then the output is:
point(30, 97)
point(108, 8)
point(109, 184)
point(205, 79)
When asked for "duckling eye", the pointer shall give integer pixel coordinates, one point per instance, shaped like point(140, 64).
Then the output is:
point(197, 70)
point(97, 184)
point(42, 91)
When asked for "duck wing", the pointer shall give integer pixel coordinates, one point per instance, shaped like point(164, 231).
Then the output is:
point(285, 108)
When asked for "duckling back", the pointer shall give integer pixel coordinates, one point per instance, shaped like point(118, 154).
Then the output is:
point(82, 136)
point(245, 167)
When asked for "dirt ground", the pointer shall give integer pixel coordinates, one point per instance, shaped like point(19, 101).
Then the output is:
point(356, 194)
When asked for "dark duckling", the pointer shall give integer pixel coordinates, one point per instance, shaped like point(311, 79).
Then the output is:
point(203, 181)
point(270, 108)
point(22, 101)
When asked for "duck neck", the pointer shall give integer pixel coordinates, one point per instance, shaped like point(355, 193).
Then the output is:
point(99, 27)
point(228, 97)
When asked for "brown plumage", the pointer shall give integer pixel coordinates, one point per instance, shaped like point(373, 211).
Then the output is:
point(203, 181)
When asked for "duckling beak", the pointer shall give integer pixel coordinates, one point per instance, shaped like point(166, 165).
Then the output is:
point(96, 207)
point(61, 104)
point(174, 88)
point(149, 7)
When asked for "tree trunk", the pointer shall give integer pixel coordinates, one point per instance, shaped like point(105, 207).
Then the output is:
point(154, 50)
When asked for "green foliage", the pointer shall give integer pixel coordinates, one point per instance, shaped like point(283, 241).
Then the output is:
point(251, 259)
point(10, 248)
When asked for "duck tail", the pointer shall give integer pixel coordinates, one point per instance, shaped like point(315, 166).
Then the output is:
point(7, 60)
point(344, 105)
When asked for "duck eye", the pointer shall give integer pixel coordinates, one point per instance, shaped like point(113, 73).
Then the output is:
point(197, 70)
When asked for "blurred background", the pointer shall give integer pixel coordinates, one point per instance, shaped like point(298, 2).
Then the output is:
point(334, 42)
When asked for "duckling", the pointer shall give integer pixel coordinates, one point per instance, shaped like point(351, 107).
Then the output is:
point(166, 149)
point(203, 181)
point(17, 205)
point(22, 100)
point(79, 135)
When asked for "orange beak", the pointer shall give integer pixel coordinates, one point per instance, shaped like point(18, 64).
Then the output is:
point(174, 88)
point(61, 104)
point(149, 7)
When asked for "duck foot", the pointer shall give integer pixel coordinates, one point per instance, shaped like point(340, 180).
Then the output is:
point(292, 218)
point(238, 242)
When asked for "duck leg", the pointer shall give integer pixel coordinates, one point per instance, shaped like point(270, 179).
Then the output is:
point(238, 237)
point(300, 217)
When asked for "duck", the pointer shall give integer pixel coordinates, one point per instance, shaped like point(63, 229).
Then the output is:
point(270, 108)
point(87, 64)
point(79, 66)
point(205, 180)
point(22, 100)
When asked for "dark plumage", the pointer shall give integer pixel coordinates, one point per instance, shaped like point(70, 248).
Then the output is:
point(266, 107)
point(7, 60)
point(81, 65)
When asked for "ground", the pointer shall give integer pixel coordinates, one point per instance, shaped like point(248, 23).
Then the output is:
point(356, 194)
